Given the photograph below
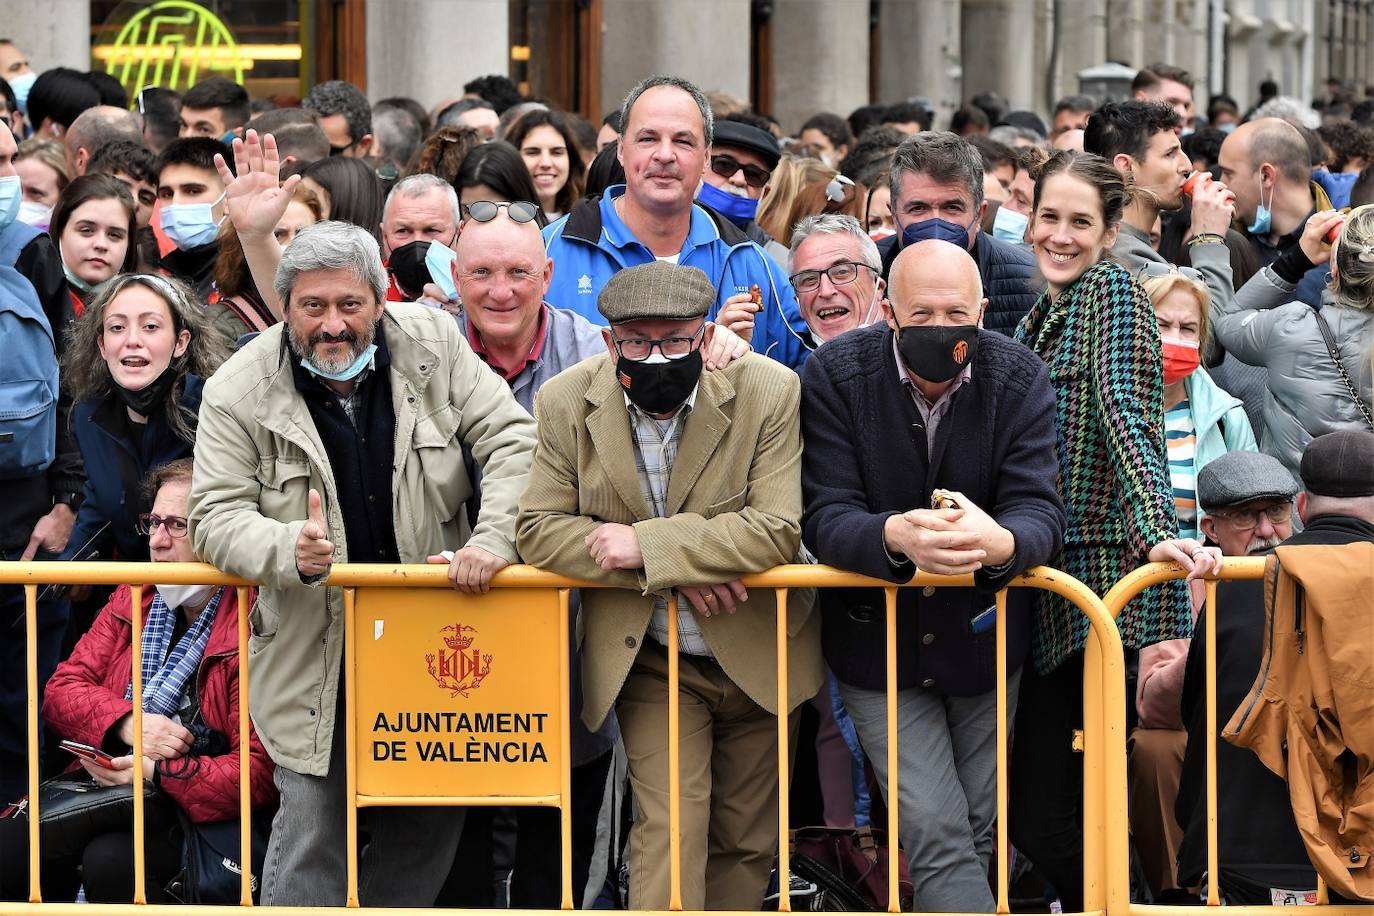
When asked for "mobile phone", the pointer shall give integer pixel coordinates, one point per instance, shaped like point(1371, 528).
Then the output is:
point(86, 752)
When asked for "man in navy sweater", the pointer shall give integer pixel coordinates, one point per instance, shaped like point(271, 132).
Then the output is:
point(890, 413)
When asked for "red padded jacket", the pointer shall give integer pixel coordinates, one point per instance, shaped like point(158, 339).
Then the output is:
point(85, 702)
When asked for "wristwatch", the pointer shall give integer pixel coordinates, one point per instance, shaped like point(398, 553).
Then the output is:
point(71, 500)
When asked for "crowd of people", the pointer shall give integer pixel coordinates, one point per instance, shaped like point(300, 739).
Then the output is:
point(662, 353)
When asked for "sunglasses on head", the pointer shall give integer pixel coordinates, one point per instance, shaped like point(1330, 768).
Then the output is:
point(726, 166)
point(1159, 269)
point(484, 211)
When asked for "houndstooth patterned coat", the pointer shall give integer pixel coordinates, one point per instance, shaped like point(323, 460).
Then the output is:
point(1101, 343)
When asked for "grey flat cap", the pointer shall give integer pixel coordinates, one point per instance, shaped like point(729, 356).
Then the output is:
point(1238, 477)
point(657, 290)
point(1339, 464)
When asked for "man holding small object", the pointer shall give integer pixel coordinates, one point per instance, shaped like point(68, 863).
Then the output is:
point(929, 445)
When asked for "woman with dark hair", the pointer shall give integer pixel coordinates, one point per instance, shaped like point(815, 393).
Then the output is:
point(241, 308)
point(604, 171)
point(348, 190)
point(548, 146)
point(494, 171)
point(57, 97)
point(93, 226)
point(135, 365)
point(1096, 329)
point(443, 153)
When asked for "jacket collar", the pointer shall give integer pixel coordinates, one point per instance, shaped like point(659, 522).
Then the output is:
point(592, 218)
point(609, 425)
point(224, 635)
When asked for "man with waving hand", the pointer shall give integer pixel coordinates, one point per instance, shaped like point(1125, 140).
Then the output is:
point(339, 436)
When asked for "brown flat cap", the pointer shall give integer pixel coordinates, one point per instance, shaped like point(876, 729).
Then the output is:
point(1339, 464)
point(657, 290)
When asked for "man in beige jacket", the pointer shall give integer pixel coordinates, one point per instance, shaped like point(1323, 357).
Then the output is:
point(669, 484)
point(336, 436)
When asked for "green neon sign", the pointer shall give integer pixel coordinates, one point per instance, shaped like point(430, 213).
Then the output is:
point(169, 43)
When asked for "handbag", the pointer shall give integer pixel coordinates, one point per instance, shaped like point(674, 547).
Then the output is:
point(73, 809)
point(210, 867)
point(1334, 352)
point(843, 870)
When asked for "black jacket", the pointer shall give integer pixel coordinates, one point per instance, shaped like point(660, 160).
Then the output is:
point(1255, 829)
point(865, 459)
point(1006, 271)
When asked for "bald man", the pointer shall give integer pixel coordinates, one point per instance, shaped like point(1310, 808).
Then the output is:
point(1266, 163)
point(929, 401)
point(94, 129)
point(1069, 139)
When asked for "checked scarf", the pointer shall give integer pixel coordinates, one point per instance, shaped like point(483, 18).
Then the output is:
point(166, 674)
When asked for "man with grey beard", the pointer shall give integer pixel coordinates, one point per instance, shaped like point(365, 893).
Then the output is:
point(339, 435)
point(1247, 501)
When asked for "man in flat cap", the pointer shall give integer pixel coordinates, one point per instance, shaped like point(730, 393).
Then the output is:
point(669, 484)
point(1246, 502)
point(1263, 859)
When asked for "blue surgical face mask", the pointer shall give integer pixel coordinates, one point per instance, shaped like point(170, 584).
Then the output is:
point(1010, 226)
point(10, 192)
point(738, 210)
point(1264, 220)
point(347, 374)
point(21, 86)
point(190, 225)
point(1227, 128)
point(935, 228)
point(439, 260)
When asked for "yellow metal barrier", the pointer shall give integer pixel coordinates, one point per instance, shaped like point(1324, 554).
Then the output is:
point(1106, 888)
point(1121, 594)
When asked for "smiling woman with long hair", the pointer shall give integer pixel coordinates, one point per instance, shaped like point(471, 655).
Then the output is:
point(135, 364)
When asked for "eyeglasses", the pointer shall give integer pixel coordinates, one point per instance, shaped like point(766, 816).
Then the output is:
point(638, 349)
point(484, 211)
point(1248, 519)
point(841, 273)
point(726, 166)
point(1161, 269)
point(175, 524)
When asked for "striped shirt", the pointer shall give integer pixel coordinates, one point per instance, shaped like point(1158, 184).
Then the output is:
point(1180, 438)
point(656, 443)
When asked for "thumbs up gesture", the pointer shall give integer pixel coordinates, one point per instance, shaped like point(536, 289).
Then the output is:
point(314, 550)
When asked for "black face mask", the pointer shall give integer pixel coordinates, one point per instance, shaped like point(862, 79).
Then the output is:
point(937, 353)
point(407, 266)
point(145, 401)
point(659, 387)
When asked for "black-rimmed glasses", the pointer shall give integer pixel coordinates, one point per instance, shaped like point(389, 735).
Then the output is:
point(841, 273)
point(175, 524)
point(638, 349)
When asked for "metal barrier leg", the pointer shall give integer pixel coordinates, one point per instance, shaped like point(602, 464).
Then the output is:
point(894, 904)
point(784, 761)
point(31, 674)
point(1002, 852)
point(1094, 804)
point(565, 745)
point(136, 616)
point(1213, 853)
point(245, 762)
point(350, 745)
point(674, 768)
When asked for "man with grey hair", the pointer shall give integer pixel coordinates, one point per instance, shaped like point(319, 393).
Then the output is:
point(892, 414)
point(936, 180)
point(837, 275)
point(396, 134)
point(299, 135)
point(94, 129)
point(664, 146)
point(310, 450)
point(420, 209)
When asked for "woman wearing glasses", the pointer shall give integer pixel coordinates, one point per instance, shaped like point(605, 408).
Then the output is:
point(1095, 329)
point(1201, 421)
point(190, 728)
point(1319, 362)
point(135, 367)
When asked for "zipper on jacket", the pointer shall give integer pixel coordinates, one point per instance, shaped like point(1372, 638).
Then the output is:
point(1298, 631)
point(1258, 689)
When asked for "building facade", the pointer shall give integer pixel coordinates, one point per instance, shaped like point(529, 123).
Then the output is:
point(788, 57)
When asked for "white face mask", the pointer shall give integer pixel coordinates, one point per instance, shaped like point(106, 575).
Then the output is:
point(176, 596)
point(35, 214)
